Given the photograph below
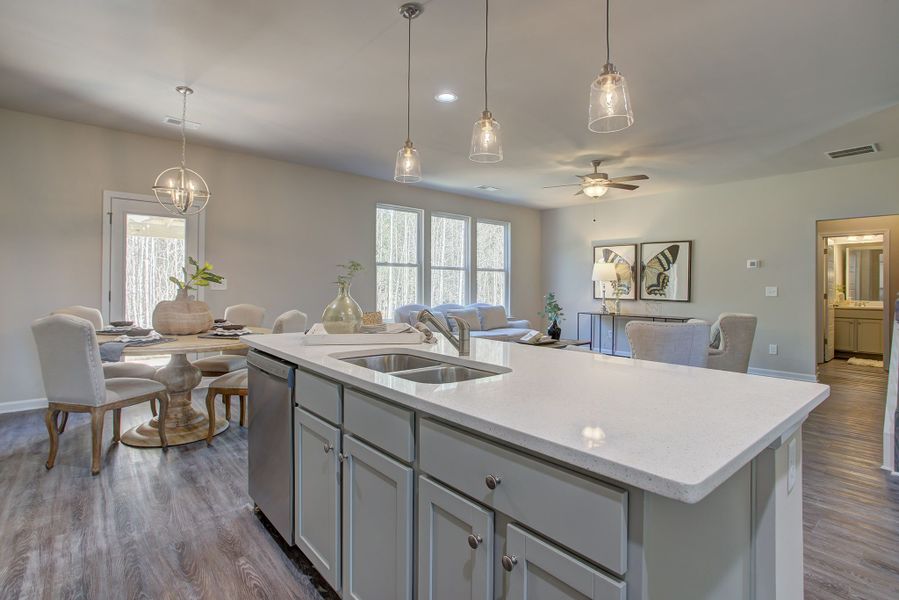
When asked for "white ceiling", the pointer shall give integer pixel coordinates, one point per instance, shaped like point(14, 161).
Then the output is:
point(721, 89)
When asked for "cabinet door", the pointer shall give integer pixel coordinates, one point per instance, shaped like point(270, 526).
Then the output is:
point(317, 494)
point(844, 332)
point(540, 571)
point(869, 336)
point(377, 524)
point(455, 545)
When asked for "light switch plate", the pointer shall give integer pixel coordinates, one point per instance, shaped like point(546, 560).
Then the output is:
point(772, 348)
point(791, 469)
point(219, 286)
point(771, 291)
point(753, 263)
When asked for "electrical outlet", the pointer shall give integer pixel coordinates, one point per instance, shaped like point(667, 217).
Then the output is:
point(753, 263)
point(772, 348)
point(771, 291)
point(219, 286)
point(792, 466)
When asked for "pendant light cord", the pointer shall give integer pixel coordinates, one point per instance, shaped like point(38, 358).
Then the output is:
point(409, 84)
point(608, 44)
point(486, 46)
point(183, 134)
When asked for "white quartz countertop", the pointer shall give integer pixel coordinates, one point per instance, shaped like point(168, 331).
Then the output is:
point(674, 431)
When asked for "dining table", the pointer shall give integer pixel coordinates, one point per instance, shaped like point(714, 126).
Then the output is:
point(183, 423)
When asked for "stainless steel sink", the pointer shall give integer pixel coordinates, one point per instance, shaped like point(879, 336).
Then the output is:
point(390, 363)
point(444, 374)
point(420, 369)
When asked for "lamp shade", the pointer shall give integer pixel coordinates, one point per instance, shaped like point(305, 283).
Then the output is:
point(610, 104)
point(604, 272)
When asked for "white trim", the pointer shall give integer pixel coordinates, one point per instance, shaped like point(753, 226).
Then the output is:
point(15, 406)
point(784, 374)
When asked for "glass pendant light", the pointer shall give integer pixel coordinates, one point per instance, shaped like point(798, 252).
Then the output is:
point(408, 165)
point(180, 190)
point(486, 140)
point(610, 104)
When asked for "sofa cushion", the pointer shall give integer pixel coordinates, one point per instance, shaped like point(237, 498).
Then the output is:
point(493, 317)
point(469, 315)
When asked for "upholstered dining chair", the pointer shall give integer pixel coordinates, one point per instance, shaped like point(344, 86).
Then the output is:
point(731, 340)
point(234, 360)
point(110, 369)
point(235, 383)
point(673, 343)
point(74, 382)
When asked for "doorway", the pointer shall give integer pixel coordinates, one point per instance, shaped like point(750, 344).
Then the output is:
point(144, 245)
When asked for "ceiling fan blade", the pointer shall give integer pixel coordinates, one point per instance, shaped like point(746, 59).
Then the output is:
point(629, 178)
point(579, 192)
point(546, 187)
point(620, 186)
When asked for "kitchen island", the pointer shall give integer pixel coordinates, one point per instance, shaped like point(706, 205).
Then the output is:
point(549, 475)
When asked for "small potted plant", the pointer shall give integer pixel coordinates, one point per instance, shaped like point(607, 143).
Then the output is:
point(344, 315)
point(553, 313)
point(183, 315)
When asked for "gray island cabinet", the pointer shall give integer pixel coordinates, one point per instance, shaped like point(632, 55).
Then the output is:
point(395, 499)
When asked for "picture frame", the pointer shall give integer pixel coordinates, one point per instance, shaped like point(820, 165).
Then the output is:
point(624, 256)
point(666, 271)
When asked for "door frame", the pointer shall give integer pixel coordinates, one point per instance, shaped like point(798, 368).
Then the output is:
point(821, 242)
point(105, 256)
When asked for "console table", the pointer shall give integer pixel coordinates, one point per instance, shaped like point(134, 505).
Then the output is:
point(613, 317)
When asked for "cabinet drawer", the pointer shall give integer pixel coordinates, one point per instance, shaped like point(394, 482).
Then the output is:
point(380, 423)
point(582, 514)
point(319, 395)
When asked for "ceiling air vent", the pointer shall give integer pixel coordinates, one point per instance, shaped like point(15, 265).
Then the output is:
point(853, 151)
point(176, 122)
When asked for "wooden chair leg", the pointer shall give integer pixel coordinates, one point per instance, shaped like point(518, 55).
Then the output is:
point(210, 414)
point(163, 409)
point(97, 415)
point(63, 419)
point(116, 424)
point(226, 398)
point(243, 411)
point(153, 407)
point(50, 420)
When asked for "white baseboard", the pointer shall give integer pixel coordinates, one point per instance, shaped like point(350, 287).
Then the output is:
point(784, 374)
point(22, 405)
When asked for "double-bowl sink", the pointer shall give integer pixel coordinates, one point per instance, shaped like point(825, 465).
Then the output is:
point(421, 369)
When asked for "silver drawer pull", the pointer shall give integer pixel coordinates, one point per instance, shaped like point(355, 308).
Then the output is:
point(474, 540)
point(509, 562)
point(492, 481)
point(328, 447)
point(341, 456)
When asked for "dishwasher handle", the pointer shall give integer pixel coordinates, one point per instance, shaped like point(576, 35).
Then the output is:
point(272, 366)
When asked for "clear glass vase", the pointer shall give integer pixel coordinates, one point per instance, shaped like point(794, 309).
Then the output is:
point(343, 315)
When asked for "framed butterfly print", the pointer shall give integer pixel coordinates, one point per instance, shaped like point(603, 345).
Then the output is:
point(624, 257)
point(665, 271)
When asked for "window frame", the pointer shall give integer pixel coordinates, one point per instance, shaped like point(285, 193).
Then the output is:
point(507, 260)
point(419, 214)
point(466, 260)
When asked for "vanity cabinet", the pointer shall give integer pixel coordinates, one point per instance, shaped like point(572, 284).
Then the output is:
point(455, 545)
point(858, 330)
point(377, 524)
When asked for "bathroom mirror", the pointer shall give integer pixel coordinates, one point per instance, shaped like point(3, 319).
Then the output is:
point(863, 273)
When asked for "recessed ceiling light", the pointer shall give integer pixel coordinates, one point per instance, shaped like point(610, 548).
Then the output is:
point(446, 97)
point(487, 188)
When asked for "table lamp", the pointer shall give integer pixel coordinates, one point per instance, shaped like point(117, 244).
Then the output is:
point(604, 273)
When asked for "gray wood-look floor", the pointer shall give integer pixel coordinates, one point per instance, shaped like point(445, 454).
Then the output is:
point(181, 525)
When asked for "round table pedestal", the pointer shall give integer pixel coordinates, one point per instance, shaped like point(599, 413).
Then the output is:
point(183, 424)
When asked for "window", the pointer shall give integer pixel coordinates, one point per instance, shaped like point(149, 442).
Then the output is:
point(397, 257)
point(493, 262)
point(449, 259)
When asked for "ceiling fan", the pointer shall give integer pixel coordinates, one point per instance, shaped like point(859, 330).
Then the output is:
point(596, 184)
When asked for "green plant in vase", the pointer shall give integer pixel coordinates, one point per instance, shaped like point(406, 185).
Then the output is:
point(344, 315)
point(201, 277)
point(553, 313)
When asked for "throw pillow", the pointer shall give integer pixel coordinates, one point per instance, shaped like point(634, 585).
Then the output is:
point(715, 336)
point(493, 317)
point(469, 315)
point(413, 318)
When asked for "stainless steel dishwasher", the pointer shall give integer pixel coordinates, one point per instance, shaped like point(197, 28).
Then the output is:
point(270, 439)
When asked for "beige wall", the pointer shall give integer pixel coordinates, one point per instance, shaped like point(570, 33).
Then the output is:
point(275, 229)
point(772, 219)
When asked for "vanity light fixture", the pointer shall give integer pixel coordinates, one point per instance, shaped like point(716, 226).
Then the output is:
point(408, 165)
point(610, 104)
point(486, 138)
point(180, 190)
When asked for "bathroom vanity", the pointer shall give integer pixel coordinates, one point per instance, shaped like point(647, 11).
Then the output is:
point(522, 474)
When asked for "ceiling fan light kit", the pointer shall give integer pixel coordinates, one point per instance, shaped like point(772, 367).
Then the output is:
point(180, 190)
point(610, 104)
point(596, 185)
point(486, 137)
point(408, 164)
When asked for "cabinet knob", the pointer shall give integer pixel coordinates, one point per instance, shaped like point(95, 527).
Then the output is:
point(341, 456)
point(509, 562)
point(474, 540)
point(492, 481)
point(328, 447)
